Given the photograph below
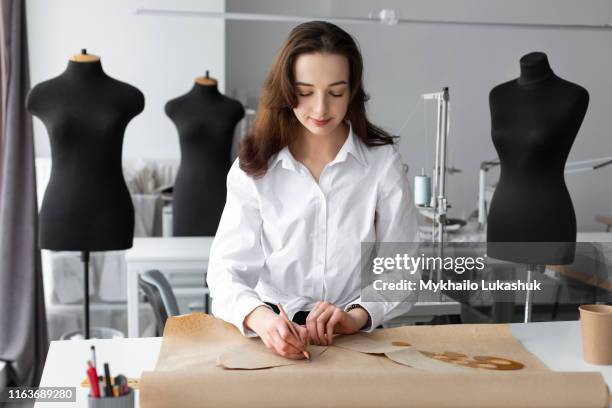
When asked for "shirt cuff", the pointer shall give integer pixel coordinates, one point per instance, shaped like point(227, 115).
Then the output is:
point(245, 306)
point(376, 315)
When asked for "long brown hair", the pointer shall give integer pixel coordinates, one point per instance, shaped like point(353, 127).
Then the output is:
point(275, 125)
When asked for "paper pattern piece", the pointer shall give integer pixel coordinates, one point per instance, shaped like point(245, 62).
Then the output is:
point(187, 375)
point(362, 343)
point(450, 361)
point(255, 355)
point(481, 362)
point(412, 357)
point(402, 352)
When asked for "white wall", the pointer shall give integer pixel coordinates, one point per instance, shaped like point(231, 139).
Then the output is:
point(159, 55)
point(403, 61)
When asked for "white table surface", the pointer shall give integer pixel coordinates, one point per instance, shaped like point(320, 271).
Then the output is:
point(556, 344)
point(594, 237)
point(169, 249)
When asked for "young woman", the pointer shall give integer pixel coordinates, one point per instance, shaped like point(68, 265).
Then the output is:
point(313, 180)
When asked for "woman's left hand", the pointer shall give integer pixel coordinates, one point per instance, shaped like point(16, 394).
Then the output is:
point(326, 319)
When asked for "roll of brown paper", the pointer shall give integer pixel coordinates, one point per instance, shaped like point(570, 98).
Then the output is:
point(362, 388)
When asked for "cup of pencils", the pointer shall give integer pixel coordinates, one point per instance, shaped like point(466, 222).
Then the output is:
point(106, 391)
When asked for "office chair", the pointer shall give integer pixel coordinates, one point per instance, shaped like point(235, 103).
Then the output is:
point(159, 294)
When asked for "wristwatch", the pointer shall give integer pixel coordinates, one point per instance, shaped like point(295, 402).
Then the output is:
point(357, 306)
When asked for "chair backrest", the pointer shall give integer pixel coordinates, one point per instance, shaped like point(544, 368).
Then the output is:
point(160, 295)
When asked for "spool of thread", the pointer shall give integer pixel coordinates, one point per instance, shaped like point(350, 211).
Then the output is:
point(422, 189)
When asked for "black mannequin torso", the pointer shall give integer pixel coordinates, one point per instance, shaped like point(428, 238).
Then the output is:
point(534, 119)
point(86, 206)
point(205, 120)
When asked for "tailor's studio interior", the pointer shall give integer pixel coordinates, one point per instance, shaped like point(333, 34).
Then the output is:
point(332, 203)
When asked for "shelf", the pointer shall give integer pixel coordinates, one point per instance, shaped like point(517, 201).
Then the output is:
point(97, 306)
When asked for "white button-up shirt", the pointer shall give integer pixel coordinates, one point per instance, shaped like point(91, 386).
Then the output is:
point(284, 238)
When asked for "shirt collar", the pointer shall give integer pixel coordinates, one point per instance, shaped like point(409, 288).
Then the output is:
point(352, 146)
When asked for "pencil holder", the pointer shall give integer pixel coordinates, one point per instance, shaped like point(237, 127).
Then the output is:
point(124, 401)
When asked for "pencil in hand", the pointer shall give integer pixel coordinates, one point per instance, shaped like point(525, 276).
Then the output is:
point(295, 333)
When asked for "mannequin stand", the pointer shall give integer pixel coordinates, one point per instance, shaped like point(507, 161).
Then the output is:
point(85, 259)
point(528, 301)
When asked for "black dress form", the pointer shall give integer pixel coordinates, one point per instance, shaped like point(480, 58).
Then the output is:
point(87, 206)
point(534, 119)
point(205, 120)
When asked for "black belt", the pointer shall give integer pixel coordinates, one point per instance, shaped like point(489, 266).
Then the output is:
point(298, 318)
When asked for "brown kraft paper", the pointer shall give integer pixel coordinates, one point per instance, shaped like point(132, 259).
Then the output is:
point(187, 373)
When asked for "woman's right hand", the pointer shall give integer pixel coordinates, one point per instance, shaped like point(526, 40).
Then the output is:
point(275, 333)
